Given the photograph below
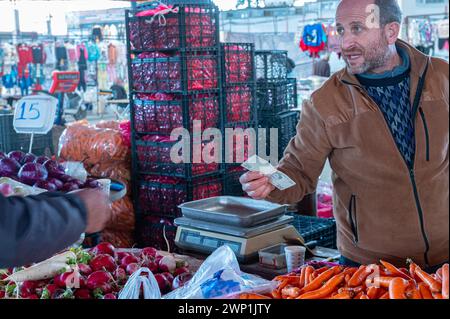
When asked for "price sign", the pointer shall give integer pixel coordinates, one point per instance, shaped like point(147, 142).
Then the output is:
point(35, 114)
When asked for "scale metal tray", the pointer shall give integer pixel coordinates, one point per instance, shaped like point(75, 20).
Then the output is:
point(234, 231)
point(232, 211)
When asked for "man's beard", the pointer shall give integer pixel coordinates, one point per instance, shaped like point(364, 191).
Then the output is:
point(375, 56)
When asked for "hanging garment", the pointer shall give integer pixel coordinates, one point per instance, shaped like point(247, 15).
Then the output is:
point(9, 80)
point(314, 39)
point(80, 47)
point(38, 53)
point(97, 34)
point(112, 54)
point(93, 52)
point(61, 58)
point(49, 52)
point(71, 53)
point(25, 54)
point(442, 29)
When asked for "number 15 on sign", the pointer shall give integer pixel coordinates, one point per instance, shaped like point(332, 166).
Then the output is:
point(35, 115)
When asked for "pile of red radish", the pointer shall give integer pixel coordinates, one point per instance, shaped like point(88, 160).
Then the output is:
point(102, 273)
point(41, 172)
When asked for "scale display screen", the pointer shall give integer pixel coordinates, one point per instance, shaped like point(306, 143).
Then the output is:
point(195, 238)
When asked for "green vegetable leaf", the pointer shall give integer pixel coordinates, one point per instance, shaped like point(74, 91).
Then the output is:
point(68, 294)
point(62, 271)
point(45, 294)
point(72, 261)
point(98, 293)
point(11, 289)
point(84, 257)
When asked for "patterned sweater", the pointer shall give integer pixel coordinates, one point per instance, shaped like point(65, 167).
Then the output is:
point(391, 92)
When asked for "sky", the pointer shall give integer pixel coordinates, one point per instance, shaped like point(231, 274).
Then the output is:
point(34, 13)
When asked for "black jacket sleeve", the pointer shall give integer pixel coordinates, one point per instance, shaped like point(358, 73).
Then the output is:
point(34, 228)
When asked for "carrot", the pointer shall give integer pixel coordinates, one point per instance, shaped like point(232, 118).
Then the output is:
point(439, 273)
point(394, 270)
point(285, 277)
point(293, 292)
point(364, 296)
point(359, 276)
point(397, 288)
point(321, 270)
point(355, 290)
point(425, 291)
point(252, 296)
point(412, 270)
point(302, 278)
point(413, 292)
point(326, 289)
point(385, 296)
point(308, 271)
point(379, 282)
point(283, 284)
point(276, 294)
point(430, 281)
point(320, 280)
point(445, 281)
point(312, 277)
point(358, 295)
point(347, 279)
point(350, 271)
point(437, 295)
point(343, 295)
point(372, 292)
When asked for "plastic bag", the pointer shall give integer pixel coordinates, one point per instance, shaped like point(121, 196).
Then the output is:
point(324, 200)
point(76, 170)
point(220, 277)
point(132, 289)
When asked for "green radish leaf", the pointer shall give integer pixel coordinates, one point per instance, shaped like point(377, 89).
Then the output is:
point(45, 294)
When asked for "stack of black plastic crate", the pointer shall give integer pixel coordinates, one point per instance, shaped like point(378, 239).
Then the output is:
point(239, 103)
point(175, 78)
point(276, 97)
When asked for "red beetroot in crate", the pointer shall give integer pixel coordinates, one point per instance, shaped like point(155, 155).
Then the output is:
point(156, 71)
point(162, 113)
point(154, 157)
point(148, 32)
point(238, 64)
point(239, 103)
point(162, 195)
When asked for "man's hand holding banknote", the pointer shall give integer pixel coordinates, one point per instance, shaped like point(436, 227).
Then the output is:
point(263, 178)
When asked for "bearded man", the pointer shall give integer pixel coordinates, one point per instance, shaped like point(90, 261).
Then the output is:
point(383, 124)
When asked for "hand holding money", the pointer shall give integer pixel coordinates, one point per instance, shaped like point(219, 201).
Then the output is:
point(263, 178)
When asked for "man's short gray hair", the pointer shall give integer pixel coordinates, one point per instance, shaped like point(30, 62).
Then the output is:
point(389, 11)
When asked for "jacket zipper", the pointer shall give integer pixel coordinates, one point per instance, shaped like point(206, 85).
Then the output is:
point(353, 222)
point(427, 135)
point(411, 169)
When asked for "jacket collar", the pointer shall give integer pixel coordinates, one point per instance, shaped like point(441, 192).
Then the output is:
point(418, 64)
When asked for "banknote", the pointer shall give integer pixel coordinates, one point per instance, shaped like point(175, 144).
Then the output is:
point(277, 178)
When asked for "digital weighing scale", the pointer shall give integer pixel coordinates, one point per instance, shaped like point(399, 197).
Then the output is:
point(244, 224)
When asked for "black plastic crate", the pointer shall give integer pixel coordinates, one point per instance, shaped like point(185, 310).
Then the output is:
point(238, 63)
point(321, 230)
point(240, 141)
point(276, 96)
point(231, 184)
point(153, 154)
point(186, 26)
point(161, 196)
point(157, 232)
point(154, 72)
point(12, 141)
point(286, 123)
point(271, 64)
point(239, 104)
point(161, 113)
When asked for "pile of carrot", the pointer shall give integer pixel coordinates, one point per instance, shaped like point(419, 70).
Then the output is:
point(366, 282)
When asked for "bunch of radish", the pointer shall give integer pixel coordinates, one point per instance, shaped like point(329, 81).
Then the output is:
point(99, 273)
